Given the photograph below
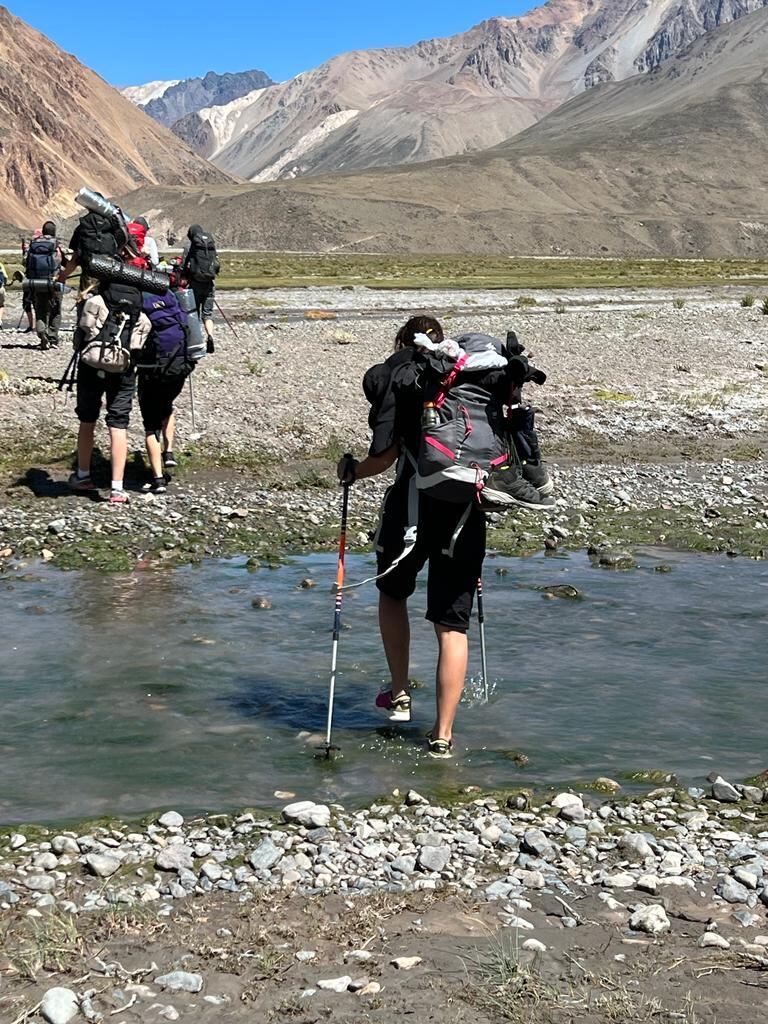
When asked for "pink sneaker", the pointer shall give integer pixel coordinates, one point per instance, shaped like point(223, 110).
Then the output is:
point(398, 710)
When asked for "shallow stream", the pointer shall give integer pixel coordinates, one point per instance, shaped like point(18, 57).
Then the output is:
point(123, 694)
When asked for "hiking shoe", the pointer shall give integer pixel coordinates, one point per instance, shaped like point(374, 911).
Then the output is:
point(118, 498)
point(399, 709)
point(81, 484)
point(440, 749)
point(507, 486)
point(156, 486)
point(28, 330)
point(169, 460)
point(537, 474)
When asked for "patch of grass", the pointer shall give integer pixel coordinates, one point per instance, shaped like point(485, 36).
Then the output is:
point(764, 307)
point(678, 303)
point(255, 367)
point(560, 307)
point(607, 395)
point(503, 986)
point(525, 301)
point(747, 301)
point(50, 943)
point(296, 270)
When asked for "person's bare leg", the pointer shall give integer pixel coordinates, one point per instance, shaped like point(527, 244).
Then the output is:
point(396, 637)
point(85, 441)
point(154, 451)
point(451, 673)
point(169, 433)
point(118, 446)
point(208, 324)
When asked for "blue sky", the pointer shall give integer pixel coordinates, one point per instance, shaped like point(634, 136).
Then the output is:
point(186, 38)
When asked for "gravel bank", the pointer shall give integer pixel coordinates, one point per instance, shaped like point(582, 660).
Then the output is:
point(654, 417)
point(489, 902)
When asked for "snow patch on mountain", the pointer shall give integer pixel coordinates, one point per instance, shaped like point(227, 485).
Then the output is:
point(224, 119)
point(307, 142)
point(142, 94)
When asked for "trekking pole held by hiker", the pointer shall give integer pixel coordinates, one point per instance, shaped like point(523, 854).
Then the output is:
point(481, 623)
point(192, 405)
point(329, 748)
point(226, 320)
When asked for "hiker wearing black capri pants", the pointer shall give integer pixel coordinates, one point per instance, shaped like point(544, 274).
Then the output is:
point(393, 389)
point(200, 266)
point(42, 264)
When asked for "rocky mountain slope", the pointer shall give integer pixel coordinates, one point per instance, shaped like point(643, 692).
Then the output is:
point(671, 162)
point(168, 102)
point(447, 96)
point(63, 126)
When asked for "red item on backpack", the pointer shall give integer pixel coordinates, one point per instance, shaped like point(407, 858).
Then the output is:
point(137, 234)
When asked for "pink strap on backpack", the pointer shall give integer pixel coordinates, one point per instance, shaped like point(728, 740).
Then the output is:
point(448, 383)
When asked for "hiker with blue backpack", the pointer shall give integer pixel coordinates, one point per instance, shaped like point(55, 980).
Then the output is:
point(200, 267)
point(438, 411)
point(42, 265)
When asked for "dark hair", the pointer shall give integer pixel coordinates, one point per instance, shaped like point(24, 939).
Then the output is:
point(49, 228)
point(142, 221)
point(418, 325)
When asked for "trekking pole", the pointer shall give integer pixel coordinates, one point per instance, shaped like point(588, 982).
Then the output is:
point(192, 404)
point(330, 749)
point(481, 623)
point(226, 319)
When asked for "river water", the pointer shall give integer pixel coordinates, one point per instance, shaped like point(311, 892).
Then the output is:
point(124, 694)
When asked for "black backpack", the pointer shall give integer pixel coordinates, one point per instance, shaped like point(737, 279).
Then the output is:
point(202, 261)
point(100, 236)
point(42, 262)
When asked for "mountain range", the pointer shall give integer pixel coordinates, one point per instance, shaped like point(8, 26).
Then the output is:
point(440, 97)
point(62, 126)
point(672, 161)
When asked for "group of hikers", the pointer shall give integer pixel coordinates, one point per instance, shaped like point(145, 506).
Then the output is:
point(142, 324)
point(448, 413)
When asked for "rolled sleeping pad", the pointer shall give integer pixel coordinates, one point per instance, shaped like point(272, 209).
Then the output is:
point(97, 204)
point(107, 268)
point(197, 342)
point(44, 284)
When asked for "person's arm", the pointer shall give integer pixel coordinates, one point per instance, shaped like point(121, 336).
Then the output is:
point(150, 251)
point(351, 470)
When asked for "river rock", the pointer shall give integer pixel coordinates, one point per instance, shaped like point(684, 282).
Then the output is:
point(434, 858)
point(59, 1005)
point(308, 813)
point(535, 842)
point(64, 844)
point(265, 856)
point(171, 819)
point(534, 946)
point(564, 799)
point(101, 864)
point(335, 984)
point(653, 920)
point(406, 963)
point(732, 891)
point(175, 857)
point(39, 883)
point(17, 841)
point(180, 981)
point(635, 845)
point(711, 940)
point(724, 792)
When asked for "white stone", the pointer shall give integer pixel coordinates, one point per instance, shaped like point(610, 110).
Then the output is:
point(534, 946)
point(335, 984)
point(59, 1006)
point(653, 920)
point(180, 981)
point(17, 841)
point(406, 963)
point(171, 819)
point(102, 865)
point(564, 800)
point(713, 940)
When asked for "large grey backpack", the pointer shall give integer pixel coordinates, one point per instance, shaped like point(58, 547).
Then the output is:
point(463, 436)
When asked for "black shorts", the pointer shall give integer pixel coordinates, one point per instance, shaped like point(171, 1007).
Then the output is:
point(156, 398)
point(452, 579)
point(204, 292)
point(117, 388)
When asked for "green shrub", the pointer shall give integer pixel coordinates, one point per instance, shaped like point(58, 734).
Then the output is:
point(747, 301)
point(765, 307)
point(523, 301)
point(678, 303)
point(560, 307)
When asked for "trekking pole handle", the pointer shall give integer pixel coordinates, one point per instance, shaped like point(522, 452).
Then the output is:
point(350, 466)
